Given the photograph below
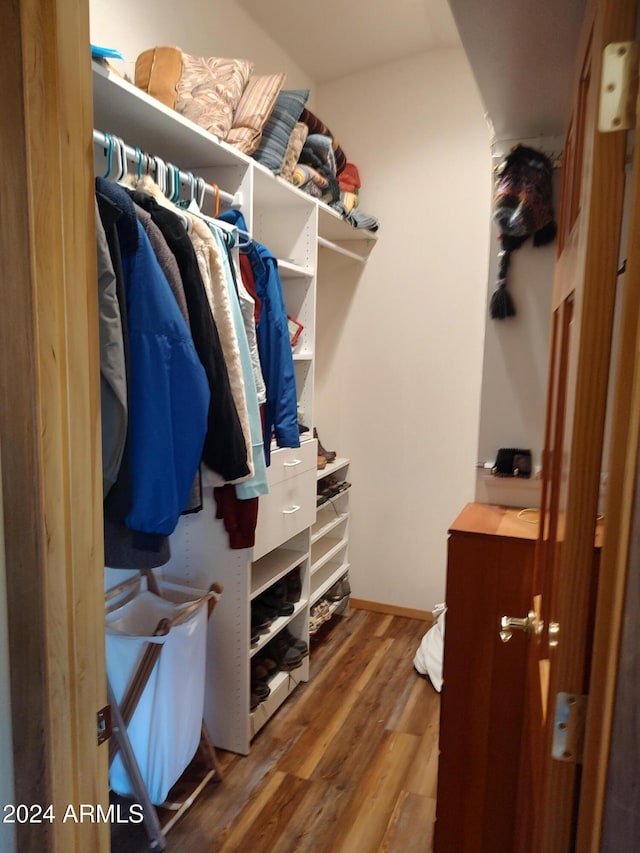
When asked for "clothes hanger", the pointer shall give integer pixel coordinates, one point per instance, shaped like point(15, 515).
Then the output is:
point(122, 153)
point(109, 139)
point(176, 185)
point(140, 157)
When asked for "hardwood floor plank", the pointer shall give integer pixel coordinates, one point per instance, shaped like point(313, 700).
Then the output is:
point(418, 711)
point(315, 741)
point(410, 829)
point(364, 821)
point(348, 755)
point(422, 778)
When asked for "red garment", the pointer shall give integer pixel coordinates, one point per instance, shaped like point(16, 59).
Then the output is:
point(249, 282)
point(240, 516)
point(350, 178)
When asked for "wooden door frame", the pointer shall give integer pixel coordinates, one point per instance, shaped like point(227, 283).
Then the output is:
point(50, 421)
point(623, 473)
point(601, 668)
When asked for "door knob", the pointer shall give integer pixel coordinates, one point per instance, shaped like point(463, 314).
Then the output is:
point(531, 625)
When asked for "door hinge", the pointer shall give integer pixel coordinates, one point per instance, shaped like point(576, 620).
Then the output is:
point(103, 719)
point(619, 86)
point(568, 727)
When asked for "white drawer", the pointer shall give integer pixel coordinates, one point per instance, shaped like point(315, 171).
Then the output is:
point(289, 462)
point(289, 508)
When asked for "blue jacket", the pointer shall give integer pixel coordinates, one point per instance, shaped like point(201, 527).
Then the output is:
point(168, 388)
point(274, 347)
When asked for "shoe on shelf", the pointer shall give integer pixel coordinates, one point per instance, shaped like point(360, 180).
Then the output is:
point(329, 455)
point(274, 599)
point(286, 656)
point(260, 689)
point(293, 584)
point(261, 619)
point(321, 463)
point(295, 643)
point(266, 662)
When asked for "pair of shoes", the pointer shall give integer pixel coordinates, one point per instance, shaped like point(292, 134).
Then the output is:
point(267, 664)
point(260, 690)
point(295, 643)
point(287, 657)
point(261, 619)
point(274, 600)
point(293, 583)
point(320, 614)
point(339, 590)
point(330, 487)
point(321, 463)
point(329, 455)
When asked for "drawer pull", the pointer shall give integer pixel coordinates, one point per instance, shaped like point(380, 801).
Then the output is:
point(293, 509)
point(292, 463)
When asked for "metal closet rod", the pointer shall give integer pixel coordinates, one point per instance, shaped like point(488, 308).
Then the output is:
point(149, 163)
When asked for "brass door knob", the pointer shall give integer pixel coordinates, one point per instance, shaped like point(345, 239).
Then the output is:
point(531, 625)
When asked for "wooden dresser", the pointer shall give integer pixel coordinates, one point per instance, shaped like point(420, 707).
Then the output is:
point(489, 573)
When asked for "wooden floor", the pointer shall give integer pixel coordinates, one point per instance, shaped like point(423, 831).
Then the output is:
point(348, 763)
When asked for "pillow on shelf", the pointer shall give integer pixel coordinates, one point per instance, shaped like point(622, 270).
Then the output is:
point(316, 125)
point(254, 109)
point(158, 72)
point(296, 141)
point(279, 127)
point(210, 89)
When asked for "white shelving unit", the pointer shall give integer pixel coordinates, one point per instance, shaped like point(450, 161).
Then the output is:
point(330, 535)
point(290, 533)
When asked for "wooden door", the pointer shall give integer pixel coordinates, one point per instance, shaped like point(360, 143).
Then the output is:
point(567, 559)
point(50, 425)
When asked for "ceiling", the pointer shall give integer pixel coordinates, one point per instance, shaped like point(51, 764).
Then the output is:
point(332, 38)
point(522, 53)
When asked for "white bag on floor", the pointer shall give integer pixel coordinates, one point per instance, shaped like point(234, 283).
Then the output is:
point(428, 658)
point(166, 725)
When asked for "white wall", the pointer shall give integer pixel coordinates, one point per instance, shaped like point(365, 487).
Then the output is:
point(7, 834)
point(400, 350)
point(199, 27)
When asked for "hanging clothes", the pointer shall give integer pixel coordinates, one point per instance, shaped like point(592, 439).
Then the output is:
point(225, 449)
point(113, 372)
point(169, 267)
point(215, 285)
point(248, 308)
point(168, 391)
point(276, 358)
point(258, 485)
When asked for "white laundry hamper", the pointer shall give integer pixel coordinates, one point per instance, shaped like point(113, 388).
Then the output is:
point(166, 725)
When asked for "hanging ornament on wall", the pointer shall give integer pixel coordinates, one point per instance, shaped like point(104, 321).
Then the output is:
point(523, 207)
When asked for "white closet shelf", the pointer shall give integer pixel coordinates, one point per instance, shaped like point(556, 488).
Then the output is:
point(326, 578)
point(303, 356)
point(290, 271)
point(320, 530)
point(330, 246)
point(331, 467)
point(123, 110)
point(335, 229)
point(273, 566)
point(324, 550)
point(277, 625)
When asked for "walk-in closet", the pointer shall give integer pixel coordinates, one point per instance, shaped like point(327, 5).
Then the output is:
point(318, 426)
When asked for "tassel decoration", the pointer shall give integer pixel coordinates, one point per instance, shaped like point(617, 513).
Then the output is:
point(501, 305)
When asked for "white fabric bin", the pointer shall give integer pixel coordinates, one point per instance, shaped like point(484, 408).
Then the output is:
point(166, 725)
